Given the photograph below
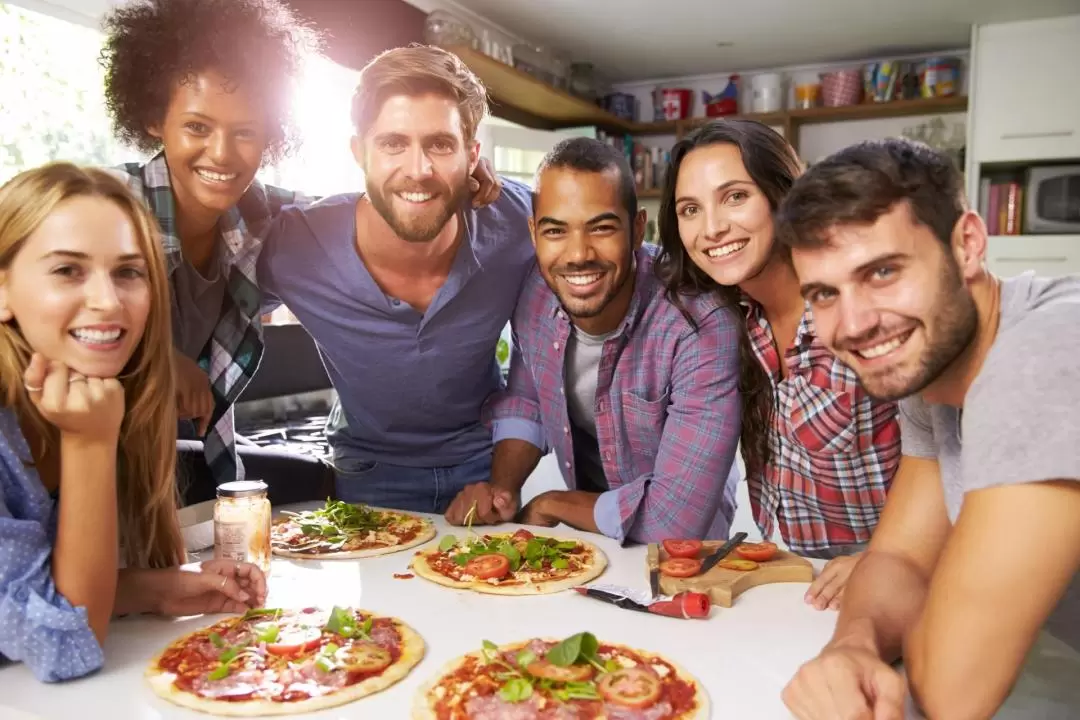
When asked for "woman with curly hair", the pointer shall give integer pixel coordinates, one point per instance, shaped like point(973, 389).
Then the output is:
point(206, 85)
point(86, 427)
point(820, 453)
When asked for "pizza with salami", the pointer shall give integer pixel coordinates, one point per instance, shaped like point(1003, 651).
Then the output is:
point(579, 678)
point(519, 563)
point(340, 531)
point(284, 662)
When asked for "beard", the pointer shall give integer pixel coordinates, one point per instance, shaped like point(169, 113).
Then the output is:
point(423, 226)
point(948, 335)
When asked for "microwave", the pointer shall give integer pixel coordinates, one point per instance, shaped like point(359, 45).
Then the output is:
point(1052, 205)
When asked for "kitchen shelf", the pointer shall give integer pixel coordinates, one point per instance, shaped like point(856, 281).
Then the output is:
point(521, 98)
point(649, 193)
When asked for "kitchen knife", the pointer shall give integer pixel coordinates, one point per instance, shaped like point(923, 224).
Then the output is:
point(721, 553)
point(654, 570)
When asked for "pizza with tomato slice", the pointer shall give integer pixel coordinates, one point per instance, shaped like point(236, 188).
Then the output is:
point(579, 677)
point(519, 563)
point(340, 531)
point(284, 662)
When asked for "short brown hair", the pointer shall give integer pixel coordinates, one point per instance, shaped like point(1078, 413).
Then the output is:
point(417, 70)
point(859, 184)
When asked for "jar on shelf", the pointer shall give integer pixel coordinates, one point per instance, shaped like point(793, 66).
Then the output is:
point(242, 523)
point(445, 30)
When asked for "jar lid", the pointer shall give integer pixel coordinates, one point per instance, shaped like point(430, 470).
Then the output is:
point(241, 488)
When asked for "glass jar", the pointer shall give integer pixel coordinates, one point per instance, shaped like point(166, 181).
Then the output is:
point(242, 523)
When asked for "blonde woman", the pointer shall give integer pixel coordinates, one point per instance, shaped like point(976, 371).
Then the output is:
point(86, 427)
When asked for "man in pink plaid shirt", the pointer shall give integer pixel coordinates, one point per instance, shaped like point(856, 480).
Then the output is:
point(637, 394)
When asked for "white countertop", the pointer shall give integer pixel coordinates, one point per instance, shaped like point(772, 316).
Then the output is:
point(743, 655)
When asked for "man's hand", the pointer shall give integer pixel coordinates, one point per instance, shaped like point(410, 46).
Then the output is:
point(828, 587)
point(194, 399)
point(846, 682)
point(492, 505)
point(484, 184)
point(538, 513)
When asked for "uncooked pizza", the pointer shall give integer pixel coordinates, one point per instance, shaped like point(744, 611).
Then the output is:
point(340, 531)
point(519, 563)
point(579, 678)
point(283, 662)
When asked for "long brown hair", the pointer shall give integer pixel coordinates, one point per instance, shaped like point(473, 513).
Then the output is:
point(146, 456)
point(773, 165)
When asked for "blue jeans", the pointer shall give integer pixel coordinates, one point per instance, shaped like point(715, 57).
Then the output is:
point(418, 489)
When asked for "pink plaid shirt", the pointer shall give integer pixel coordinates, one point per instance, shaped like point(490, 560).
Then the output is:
point(833, 449)
point(667, 408)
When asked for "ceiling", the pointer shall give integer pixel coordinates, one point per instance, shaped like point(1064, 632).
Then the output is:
point(646, 39)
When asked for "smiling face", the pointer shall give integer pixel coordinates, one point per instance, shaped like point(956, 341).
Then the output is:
point(890, 300)
point(214, 139)
point(725, 220)
point(78, 288)
point(585, 244)
point(417, 162)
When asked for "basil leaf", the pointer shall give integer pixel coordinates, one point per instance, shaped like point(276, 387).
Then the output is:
point(366, 627)
point(560, 563)
point(219, 673)
point(567, 652)
point(589, 646)
point(217, 640)
point(566, 545)
point(511, 553)
point(462, 559)
point(535, 563)
point(534, 549)
point(516, 690)
point(447, 542)
point(229, 654)
point(311, 529)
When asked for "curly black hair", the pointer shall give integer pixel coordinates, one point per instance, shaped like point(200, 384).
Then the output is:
point(151, 45)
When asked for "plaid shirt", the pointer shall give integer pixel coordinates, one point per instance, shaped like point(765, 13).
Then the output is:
point(232, 355)
point(832, 448)
point(667, 407)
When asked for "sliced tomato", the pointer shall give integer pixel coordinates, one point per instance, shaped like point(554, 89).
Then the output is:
point(486, 567)
point(293, 640)
point(364, 658)
point(682, 548)
point(740, 565)
point(681, 567)
point(630, 687)
point(758, 552)
point(522, 534)
point(547, 671)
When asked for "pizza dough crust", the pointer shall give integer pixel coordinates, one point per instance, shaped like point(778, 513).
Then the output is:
point(412, 652)
point(422, 567)
point(424, 708)
point(426, 534)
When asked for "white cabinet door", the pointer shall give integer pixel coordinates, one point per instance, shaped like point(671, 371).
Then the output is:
point(1026, 103)
point(1051, 255)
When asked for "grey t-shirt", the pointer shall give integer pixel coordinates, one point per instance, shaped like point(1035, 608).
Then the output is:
point(582, 368)
point(1019, 424)
point(196, 306)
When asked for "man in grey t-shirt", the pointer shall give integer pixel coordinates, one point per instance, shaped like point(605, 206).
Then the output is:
point(971, 576)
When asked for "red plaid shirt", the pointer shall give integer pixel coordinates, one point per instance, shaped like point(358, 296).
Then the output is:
point(833, 449)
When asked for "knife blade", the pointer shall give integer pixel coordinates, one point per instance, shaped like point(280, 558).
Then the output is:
point(722, 552)
point(654, 571)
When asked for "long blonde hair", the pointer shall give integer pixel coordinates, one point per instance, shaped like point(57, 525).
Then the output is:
point(146, 457)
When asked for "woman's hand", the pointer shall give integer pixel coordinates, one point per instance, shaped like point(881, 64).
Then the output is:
point(194, 398)
point(484, 184)
point(80, 407)
point(827, 590)
point(214, 586)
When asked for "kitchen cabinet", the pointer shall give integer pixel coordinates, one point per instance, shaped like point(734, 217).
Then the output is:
point(1048, 255)
point(1026, 107)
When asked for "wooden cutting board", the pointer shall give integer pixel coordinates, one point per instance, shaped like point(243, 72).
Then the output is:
point(723, 585)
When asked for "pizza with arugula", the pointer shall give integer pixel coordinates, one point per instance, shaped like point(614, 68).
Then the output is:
point(519, 563)
point(283, 662)
point(341, 531)
point(579, 678)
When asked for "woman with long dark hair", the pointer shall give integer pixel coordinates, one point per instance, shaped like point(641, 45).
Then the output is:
point(819, 453)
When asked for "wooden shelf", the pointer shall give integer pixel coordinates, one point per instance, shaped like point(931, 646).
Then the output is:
point(875, 111)
point(649, 193)
point(521, 98)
